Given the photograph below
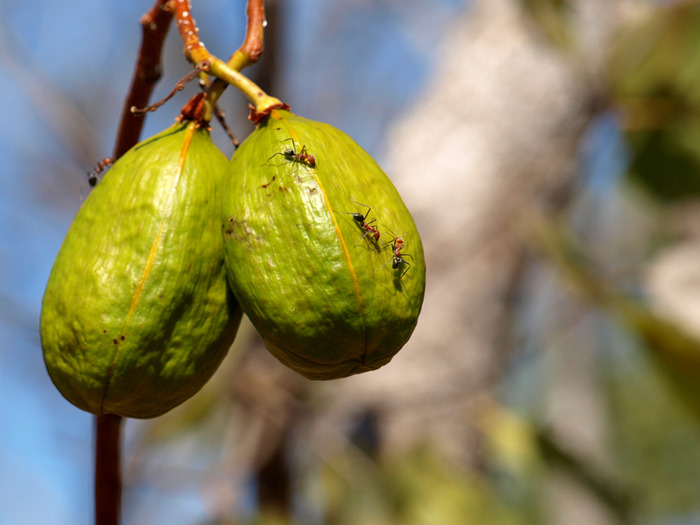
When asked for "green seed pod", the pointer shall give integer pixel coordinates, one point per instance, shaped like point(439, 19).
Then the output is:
point(321, 252)
point(137, 314)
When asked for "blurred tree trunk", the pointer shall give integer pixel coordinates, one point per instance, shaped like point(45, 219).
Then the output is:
point(494, 138)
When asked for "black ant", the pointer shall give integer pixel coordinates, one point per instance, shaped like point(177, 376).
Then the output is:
point(101, 166)
point(398, 258)
point(303, 157)
point(365, 226)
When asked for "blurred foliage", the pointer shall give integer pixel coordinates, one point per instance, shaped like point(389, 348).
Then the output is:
point(675, 352)
point(552, 18)
point(654, 440)
point(415, 489)
point(655, 71)
point(652, 389)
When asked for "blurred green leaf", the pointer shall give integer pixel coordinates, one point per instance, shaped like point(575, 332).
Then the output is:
point(552, 17)
point(655, 442)
point(511, 440)
point(427, 491)
point(413, 489)
point(667, 161)
point(655, 71)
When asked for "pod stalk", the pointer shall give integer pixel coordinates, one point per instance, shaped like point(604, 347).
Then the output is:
point(197, 53)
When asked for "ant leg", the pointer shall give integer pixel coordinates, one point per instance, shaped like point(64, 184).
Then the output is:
point(407, 263)
point(273, 155)
point(401, 260)
point(369, 209)
point(294, 144)
point(396, 262)
point(383, 265)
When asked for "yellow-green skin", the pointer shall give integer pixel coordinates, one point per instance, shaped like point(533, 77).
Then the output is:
point(327, 302)
point(137, 314)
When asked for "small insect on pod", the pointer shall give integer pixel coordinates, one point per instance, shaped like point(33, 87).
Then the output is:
point(366, 227)
point(93, 174)
point(308, 270)
point(398, 258)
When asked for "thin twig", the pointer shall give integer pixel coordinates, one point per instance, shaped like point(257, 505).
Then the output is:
point(179, 86)
point(221, 117)
point(155, 24)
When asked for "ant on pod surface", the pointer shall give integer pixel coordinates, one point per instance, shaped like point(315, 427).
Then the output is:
point(101, 166)
point(365, 226)
point(302, 157)
point(397, 259)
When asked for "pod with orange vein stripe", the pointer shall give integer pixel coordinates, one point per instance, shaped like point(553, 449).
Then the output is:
point(137, 314)
point(311, 226)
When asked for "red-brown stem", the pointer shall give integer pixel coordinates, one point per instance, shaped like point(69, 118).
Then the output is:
point(247, 54)
point(252, 46)
point(194, 49)
point(108, 476)
point(155, 24)
point(250, 50)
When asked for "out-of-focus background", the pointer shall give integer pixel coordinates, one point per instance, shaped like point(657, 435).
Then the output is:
point(550, 153)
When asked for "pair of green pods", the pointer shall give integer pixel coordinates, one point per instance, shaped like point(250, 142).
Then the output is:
point(147, 291)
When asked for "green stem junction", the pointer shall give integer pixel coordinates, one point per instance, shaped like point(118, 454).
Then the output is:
point(227, 73)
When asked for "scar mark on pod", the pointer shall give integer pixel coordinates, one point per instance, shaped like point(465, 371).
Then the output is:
point(236, 229)
point(116, 342)
point(228, 227)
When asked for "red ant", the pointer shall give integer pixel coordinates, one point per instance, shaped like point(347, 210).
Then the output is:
point(365, 226)
point(302, 156)
point(398, 258)
point(101, 166)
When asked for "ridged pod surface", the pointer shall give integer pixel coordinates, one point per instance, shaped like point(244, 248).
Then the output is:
point(328, 298)
point(137, 314)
